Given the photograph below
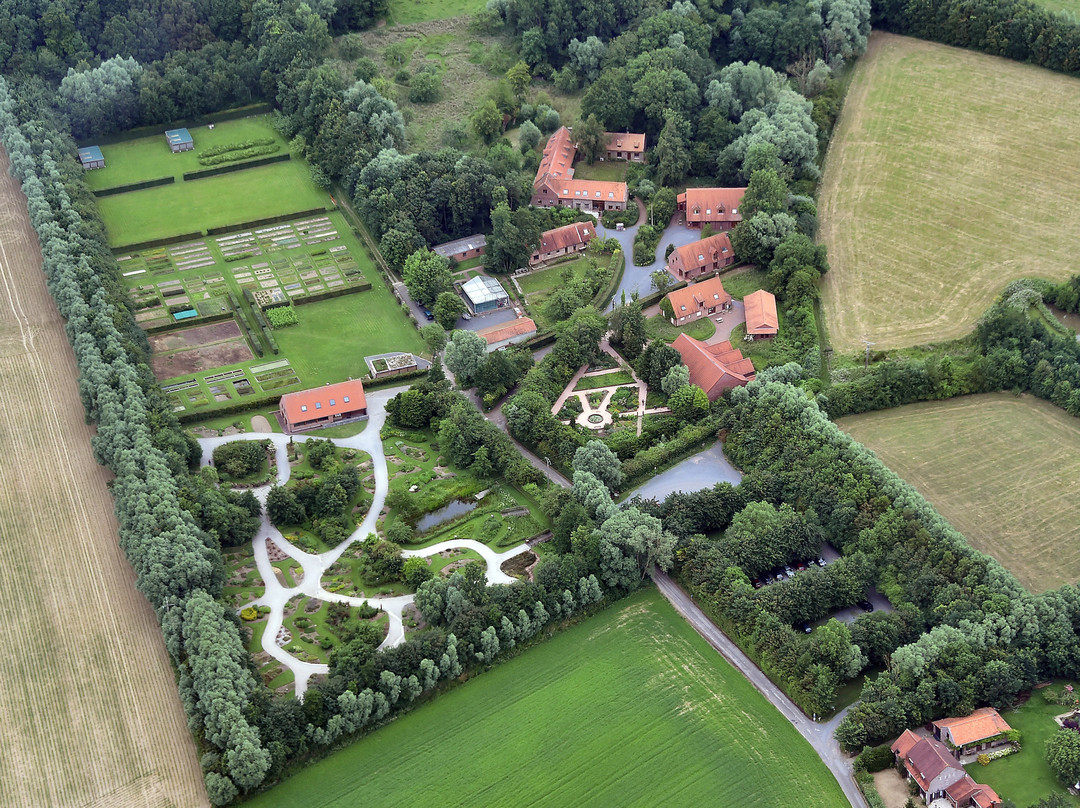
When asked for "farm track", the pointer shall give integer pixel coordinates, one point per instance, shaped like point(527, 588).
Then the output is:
point(91, 713)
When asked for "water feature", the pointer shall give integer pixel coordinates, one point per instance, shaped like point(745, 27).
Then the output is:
point(703, 470)
point(447, 512)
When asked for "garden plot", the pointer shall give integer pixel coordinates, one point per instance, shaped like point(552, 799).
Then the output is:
point(178, 353)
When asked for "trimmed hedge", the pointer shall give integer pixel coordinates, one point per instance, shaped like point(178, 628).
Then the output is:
point(213, 172)
point(260, 318)
point(157, 242)
point(135, 186)
point(284, 217)
point(243, 405)
point(178, 324)
point(393, 381)
point(329, 293)
point(261, 108)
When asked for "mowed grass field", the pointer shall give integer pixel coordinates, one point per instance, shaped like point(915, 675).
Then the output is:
point(194, 206)
point(1005, 471)
point(630, 707)
point(148, 158)
point(91, 712)
point(403, 12)
point(949, 174)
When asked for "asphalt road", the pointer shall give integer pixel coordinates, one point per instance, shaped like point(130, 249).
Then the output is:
point(819, 735)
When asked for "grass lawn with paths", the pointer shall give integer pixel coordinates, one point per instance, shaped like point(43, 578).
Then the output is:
point(630, 707)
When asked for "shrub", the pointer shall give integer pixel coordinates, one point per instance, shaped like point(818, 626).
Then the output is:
point(984, 759)
point(282, 316)
point(249, 614)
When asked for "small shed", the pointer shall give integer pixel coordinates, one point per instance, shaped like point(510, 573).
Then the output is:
point(483, 294)
point(463, 249)
point(91, 157)
point(179, 140)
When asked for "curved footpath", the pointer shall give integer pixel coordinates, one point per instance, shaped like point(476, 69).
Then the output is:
point(277, 595)
point(819, 735)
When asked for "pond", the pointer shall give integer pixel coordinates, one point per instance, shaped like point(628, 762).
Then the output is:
point(447, 512)
point(703, 470)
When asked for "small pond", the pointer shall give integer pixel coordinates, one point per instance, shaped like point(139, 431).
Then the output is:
point(447, 512)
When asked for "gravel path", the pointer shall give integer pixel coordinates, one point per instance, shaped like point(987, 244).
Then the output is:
point(277, 595)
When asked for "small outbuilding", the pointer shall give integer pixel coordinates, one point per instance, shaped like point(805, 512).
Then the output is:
point(463, 249)
point(761, 318)
point(504, 334)
point(331, 404)
point(180, 140)
point(91, 157)
point(483, 294)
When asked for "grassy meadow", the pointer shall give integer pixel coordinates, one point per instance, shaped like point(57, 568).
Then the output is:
point(404, 12)
point(950, 173)
point(188, 207)
point(1067, 6)
point(1005, 471)
point(150, 157)
point(630, 707)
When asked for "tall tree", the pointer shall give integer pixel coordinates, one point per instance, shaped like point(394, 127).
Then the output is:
point(672, 152)
point(464, 353)
point(589, 139)
point(427, 275)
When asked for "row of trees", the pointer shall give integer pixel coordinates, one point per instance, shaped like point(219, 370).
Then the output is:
point(178, 565)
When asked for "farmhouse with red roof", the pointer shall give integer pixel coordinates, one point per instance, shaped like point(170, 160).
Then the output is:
point(937, 774)
point(700, 299)
point(555, 183)
point(565, 240)
point(973, 733)
point(701, 257)
point(339, 403)
point(718, 207)
point(714, 368)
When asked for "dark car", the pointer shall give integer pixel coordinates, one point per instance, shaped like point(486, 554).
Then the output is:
point(866, 605)
point(428, 314)
point(806, 627)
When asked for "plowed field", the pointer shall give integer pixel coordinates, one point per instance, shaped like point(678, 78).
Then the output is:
point(90, 711)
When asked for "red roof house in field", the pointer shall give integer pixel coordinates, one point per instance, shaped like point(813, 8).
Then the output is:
point(761, 319)
point(972, 733)
point(565, 240)
point(503, 334)
point(625, 146)
point(714, 368)
point(716, 206)
point(323, 406)
point(555, 183)
point(701, 257)
point(699, 299)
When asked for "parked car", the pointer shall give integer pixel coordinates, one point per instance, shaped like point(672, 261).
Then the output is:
point(428, 314)
point(806, 627)
point(821, 562)
point(779, 576)
point(757, 583)
point(866, 605)
point(789, 571)
point(801, 566)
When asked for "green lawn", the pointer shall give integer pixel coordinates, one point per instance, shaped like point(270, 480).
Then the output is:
point(1024, 777)
point(741, 283)
point(194, 206)
point(604, 380)
point(1068, 6)
point(659, 327)
point(628, 708)
point(403, 12)
point(149, 158)
point(608, 171)
point(547, 280)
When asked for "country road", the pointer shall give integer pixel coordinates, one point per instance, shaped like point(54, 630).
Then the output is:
point(820, 736)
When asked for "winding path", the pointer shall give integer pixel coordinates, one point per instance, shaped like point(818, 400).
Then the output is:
point(819, 735)
point(277, 595)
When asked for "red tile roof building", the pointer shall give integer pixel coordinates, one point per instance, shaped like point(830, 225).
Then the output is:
point(555, 183)
point(714, 368)
point(625, 146)
point(716, 206)
point(322, 406)
point(966, 793)
point(761, 319)
point(566, 240)
point(928, 763)
point(503, 334)
point(701, 257)
point(699, 299)
point(970, 733)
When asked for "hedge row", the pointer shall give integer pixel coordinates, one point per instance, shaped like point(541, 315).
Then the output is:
point(243, 405)
point(260, 318)
point(157, 242)
point(329, 293)
point(261, 108)
point(178, 324)
point(393, 381)
point(284, 217)
point(213, 172)
point(135, 186)
point(256, 345)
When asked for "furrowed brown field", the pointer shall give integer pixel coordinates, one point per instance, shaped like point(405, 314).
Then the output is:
point(90, 711)
point(1005, 471)
point(950, 173)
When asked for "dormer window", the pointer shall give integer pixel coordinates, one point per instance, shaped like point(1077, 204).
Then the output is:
point(331, 402)
point(318, 405)
point(346, 399)
point(303, 408)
